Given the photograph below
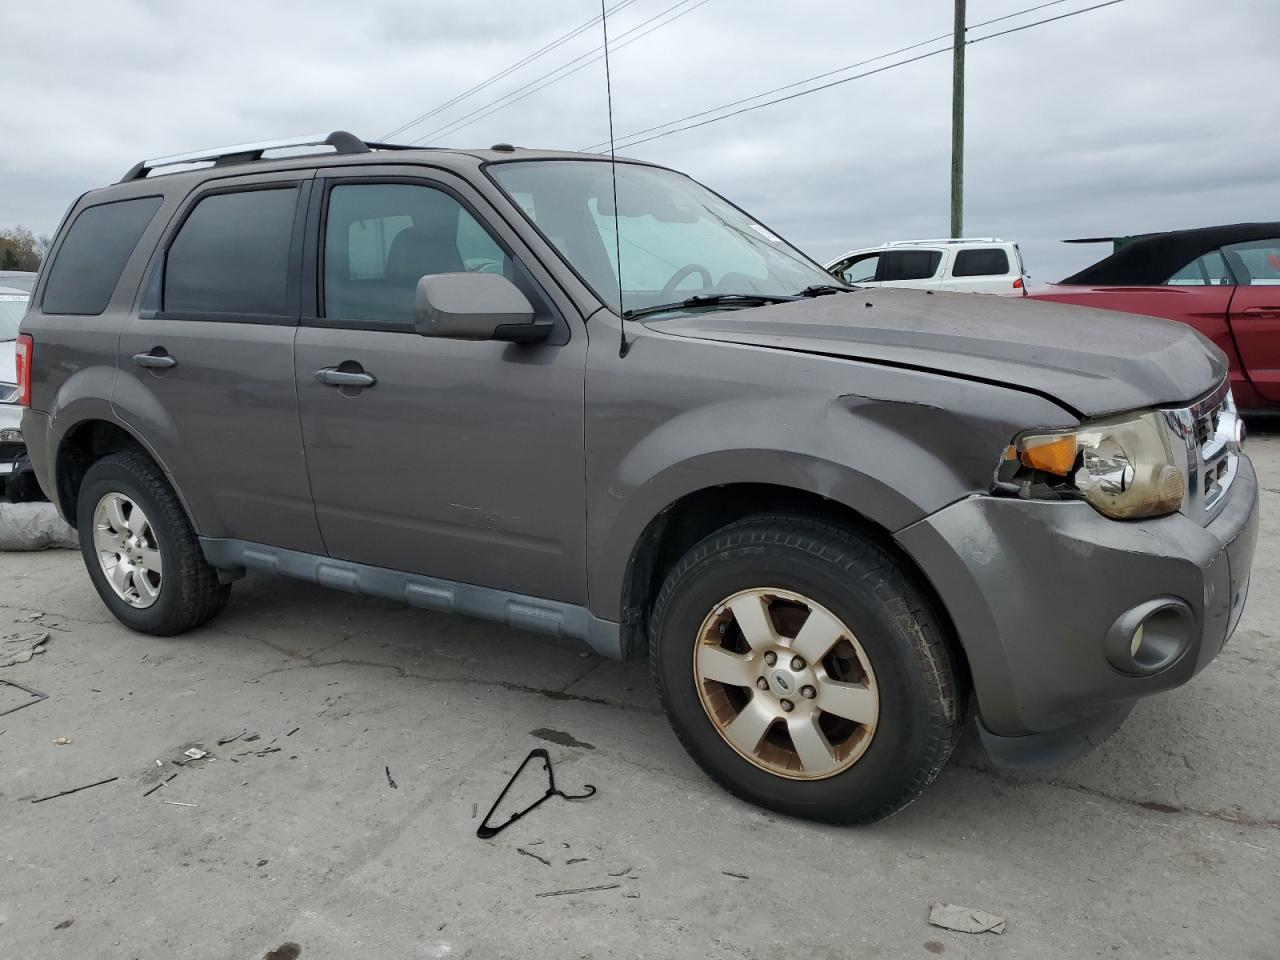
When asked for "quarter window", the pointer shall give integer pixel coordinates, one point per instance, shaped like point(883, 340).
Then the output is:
point(380, 239)
point(908, 264)
point(231, 256)
point(980, 263)
point(93, 254)
point(1207, 271)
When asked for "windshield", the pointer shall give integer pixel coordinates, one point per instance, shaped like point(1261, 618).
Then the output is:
point(678, 239)
point(12, 308)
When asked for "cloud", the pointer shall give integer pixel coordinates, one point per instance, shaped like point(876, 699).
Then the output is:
point(1141, 116)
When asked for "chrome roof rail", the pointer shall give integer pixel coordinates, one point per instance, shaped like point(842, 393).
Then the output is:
point(340, 140)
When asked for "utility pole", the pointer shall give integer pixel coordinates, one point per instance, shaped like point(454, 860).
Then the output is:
point(957, 123)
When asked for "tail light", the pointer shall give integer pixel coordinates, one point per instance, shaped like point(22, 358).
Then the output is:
point(1017, 284)
point(22, 360)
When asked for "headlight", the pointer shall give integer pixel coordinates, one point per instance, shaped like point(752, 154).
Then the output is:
point(10, 435)
point(1124, 466)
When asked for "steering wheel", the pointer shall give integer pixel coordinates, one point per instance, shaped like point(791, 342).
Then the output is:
point(688, 270)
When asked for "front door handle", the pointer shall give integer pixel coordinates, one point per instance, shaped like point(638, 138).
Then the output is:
point(345, 378)
point(1262, 313)
point(157, 359)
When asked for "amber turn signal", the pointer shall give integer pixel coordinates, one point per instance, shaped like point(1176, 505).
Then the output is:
point(1056, 455)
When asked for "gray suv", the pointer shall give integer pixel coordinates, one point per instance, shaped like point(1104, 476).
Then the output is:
point(831, 518)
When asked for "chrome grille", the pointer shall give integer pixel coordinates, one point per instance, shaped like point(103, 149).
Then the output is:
point(1205, 437)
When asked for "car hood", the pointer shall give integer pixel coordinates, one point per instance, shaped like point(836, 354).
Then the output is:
point(1093, 362)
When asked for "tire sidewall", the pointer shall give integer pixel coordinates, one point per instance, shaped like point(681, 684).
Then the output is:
point(882, 623)
point(107, 476)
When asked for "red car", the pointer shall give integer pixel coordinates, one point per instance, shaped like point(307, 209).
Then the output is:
point(1224, 281)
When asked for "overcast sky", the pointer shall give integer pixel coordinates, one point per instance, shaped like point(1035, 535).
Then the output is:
point(1147, 115)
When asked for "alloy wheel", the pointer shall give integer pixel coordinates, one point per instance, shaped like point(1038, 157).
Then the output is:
point(786, 684)
point(127, 550)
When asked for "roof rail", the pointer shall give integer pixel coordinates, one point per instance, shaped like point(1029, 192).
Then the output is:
point(340, 140)
point(908, 243)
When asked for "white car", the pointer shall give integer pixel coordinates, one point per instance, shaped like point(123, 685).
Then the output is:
point(968, 265)
point(17, 481)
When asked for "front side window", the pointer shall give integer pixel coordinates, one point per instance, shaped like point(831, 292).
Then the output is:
point(860, 269)
point(676, 238)
point(1257, 261)
point(93, 254)
point(1207, 271)
point(380, 239)
point(981, 263)
point(909, 264)
point(231, 255)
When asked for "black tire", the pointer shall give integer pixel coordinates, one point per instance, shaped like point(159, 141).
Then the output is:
point(921, 703)
point(190, 591)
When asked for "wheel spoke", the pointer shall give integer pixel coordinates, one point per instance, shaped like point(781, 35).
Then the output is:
point(818, 635)
point(853, 701)
point(138, 523)
point(117, 572)
point(147, 590)
point(752, 613)
point(717, 663)
point(748, 728)
point(115, 515)
point(811, 744)
point(151, 559)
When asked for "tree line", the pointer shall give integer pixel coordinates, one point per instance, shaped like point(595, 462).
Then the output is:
point(21, 249)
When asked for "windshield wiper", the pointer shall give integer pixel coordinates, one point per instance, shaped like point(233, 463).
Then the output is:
point(822, 289)
point(709, 300)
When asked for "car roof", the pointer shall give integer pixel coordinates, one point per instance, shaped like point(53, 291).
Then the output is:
point(1154, 258)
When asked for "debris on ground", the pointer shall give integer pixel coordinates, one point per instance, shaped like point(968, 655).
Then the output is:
point(565, 893)
point(620, 873)
point(293, 731)
point(964, 919)
point(740, 876)
point(263, 863)
point(178, 803)
point(62, 741)
point(87, 786)
point(486, 831)
point(286, 951)
point(195, 753)
point(528, 853)
point(35, 526)
point(18, 648)
point(389, 780)
point(36, 696)
point(159, 785)
point(64, 924)
point(223, 742)
point(573, 860)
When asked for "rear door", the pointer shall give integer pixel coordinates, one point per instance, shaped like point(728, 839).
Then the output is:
point(206, 363)
point(910, 267)
point(981, 270)
point(1255, 312)
point(458, 459)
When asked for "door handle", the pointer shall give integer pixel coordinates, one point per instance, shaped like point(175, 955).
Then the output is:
point(333, 377)
point(155, 360)
point(1262, 313)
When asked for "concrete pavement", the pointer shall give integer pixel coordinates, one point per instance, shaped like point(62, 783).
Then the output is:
point(1163, 843)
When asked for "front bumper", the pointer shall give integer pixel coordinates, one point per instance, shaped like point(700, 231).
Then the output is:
point(13, 452)
point(1034, 588)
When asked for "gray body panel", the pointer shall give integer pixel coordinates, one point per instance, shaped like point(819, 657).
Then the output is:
point(515, 482)
point(1094, 361)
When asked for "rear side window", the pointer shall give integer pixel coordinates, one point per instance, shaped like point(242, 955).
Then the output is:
point(908, 264)
point(1207, 271)
point(980, 263)
point(231, 256)
point(93, 254)
point(1257, 262)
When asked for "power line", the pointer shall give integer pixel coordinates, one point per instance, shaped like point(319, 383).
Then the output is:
point(516, 95)
point(629, 142)
point(829, 73)
point(543, 51)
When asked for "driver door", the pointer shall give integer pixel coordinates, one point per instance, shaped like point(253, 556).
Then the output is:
point(459, 459)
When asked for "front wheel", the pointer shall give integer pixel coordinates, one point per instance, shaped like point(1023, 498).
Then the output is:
point(140, 551)
point(804, 671)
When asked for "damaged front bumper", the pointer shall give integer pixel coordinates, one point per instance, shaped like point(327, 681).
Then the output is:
point(1047, 599)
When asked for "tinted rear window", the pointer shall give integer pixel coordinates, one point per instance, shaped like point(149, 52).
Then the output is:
point(93, 254)
point(231, 256)
point(908, 264)
point(981, 263)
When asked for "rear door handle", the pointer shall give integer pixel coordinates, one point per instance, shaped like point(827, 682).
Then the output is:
point(1263, 313)
point(155, 360)
point(343, 378)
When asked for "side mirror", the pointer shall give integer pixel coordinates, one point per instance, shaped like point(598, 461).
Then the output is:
point(476, 306)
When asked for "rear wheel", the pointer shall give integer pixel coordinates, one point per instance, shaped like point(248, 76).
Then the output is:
point(140, 551)
point(803, 670)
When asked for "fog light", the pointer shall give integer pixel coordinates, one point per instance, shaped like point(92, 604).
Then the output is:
point(1151, 637)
